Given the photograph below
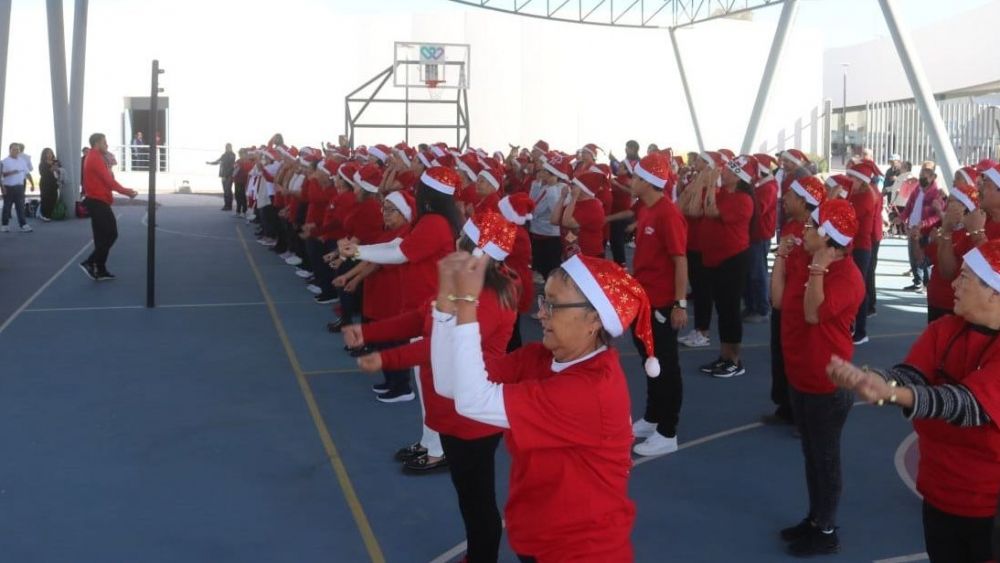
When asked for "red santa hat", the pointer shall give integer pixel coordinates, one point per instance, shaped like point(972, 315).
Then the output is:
point(381, 152)
point(340, 153)
point(309, 155)
point(865, 170)
point(745, 168)
point(836, 219)
point(425, 158)
point(842, 181)
point(985, 164)
point(558, 166)
point(728, 153)
point(655, 169)
point(993, 174)
point(967, 194)
point(404, 202)
point(601, 169)
point(618, 299)
point(361, 153)
point(767, 163)
point(969, 174)
point(591, 149)
point(328, 167)
point(407, 179)
point(369, 177)
point(984, 261)
point(469, 163)
point(796, 156)
point(592, 183)
point(445, 160)
point(714, 159)
point(347, 171)
point(492, 234)
point(439, 149)
point(811, 189)
point(517, 208)
point(441, 179)
point(494, 176)
point(541, 146)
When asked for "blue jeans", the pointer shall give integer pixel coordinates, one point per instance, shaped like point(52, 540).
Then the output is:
point(13, 196)
point(755, 295)
point(921, 269)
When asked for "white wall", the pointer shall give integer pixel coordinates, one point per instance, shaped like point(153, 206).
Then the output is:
point(237, 73)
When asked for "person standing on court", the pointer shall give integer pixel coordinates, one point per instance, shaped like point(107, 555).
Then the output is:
point(100, 185)
point(227, 165)
point(13, 170)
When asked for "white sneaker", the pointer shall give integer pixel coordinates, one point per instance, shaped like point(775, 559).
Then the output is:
point(697, 340)
point(686, 338)
point(285, 255)
point(26, 229)
point(657, 444)
point(304, 274)
point(4, 229)
point(314, 289)
point(642, 428)
point(293, 260)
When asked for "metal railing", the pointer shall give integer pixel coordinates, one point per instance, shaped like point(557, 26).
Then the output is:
point(136, 158)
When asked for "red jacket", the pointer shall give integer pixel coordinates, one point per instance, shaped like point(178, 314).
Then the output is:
point(99, 180)
point(930, 217)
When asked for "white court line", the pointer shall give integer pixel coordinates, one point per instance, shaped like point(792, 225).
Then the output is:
point(900, 461)
point(118, 307)
point(44, 286)
point(145, 222)
point(905, 558)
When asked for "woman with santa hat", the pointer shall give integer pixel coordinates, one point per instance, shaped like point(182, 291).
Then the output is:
point(469, 446)
point(816, 321)
point(564, 403)
point(518, 208)
point(950, 242)
point(949, 386)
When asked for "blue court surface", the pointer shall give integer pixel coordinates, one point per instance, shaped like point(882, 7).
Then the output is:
point(227, 424)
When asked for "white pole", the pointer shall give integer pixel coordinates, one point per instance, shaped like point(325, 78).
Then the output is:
point(687, 90)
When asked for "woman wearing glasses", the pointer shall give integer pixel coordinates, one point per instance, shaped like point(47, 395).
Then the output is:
point(949, 386)
point(563, 402)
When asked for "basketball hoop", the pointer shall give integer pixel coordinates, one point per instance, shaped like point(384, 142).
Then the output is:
point(432, 89)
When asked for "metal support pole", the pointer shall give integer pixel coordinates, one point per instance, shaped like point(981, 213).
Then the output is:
point(827, 121)
point(70, 192)
point(687, 90)
point(760, 105)
point(57, 70)
point(4, 41)
point(843, 119)
point(154, 102)
point(921, 92)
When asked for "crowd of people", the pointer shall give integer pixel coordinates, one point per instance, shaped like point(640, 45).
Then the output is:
point(431, 257)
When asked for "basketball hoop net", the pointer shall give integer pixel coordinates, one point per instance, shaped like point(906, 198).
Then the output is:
point(433, 90)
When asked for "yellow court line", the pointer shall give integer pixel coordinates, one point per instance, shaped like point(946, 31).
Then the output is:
point(767, 344)
point(371, 543)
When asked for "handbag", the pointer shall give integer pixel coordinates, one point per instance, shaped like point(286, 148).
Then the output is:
point(59, 211)
point(81, 210)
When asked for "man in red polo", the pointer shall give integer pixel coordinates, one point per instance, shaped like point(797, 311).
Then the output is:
point(100, 185)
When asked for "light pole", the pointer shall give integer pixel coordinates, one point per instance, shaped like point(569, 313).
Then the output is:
point(843, 116)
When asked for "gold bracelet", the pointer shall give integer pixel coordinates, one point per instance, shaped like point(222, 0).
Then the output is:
point(977, 232)
point(465, 298)
point(892, 396)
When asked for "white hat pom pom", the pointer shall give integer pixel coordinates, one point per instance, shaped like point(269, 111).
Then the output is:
point(652, 366)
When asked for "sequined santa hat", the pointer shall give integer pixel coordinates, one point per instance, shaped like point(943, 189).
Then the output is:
point(796, 156)
point(992, 174)
point(745, 168)
point(836, 219)
point(811, 189)
point(591, 183)
point(425, 158)
point(984, 261)
point(618, 299)
point(492, 234)
point(842, 182)
point(969, 174)
point(404, 202)
point(441, 179)
point(655, 169)
point(493, 176)
point(517, 208)
point(469, 164)
point(369, 178)
point(329, 167)
point(968, 194)
point(407, 180)
point(445, 161)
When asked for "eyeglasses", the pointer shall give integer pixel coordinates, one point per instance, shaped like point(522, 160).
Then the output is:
point(548, 307)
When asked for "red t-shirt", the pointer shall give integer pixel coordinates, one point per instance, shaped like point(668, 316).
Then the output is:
point(519, 260)
point(877, 216)
point(807, 347)
point(660, 234)
point(939, 291)
point(337, 211)
point(728, 234)
point(797, 263)
point(959, 469)
point(98, 179)
point(589, 213)
point(365, 222)
point(992, 229)
point(430, 240)
point(621, 200)
point(382, 298)
point(570, 441)
point(319, 198)
point(864, 208)
point(766, 196)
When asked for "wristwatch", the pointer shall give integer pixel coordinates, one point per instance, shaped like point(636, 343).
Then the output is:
point(680, 304)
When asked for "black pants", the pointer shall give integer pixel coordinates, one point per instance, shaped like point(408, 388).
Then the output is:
point(241, 197)
point(701, 292)
point(935, 313)
point(820, 419)
point(269, 221)
point(350, 301)
point(779, 381)
point(546, 254)
point(397, 380)
point(526, 559)
point(862, 259)
point(956, 539)
point(227, 193)
point(105, 227)
point(49, 195)
point(13, 196)
point(870, 276)
point(726, 281)
point(472, 468)
point(617, 239)
point(665, 393)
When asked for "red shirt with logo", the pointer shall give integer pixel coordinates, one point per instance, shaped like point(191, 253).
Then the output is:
point(660, 235)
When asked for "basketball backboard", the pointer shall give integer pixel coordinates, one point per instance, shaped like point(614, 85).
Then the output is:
point(431, 65)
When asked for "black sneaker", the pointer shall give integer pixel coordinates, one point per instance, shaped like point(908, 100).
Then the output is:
point(815, 542)
point(105, 275)
point(914, 287)
point(711, 366)
point(728, 369)
point(410, 452)
point(422, 465)
point(89, 269)
point(381, 388)
point(797, 531)
point(398, 396)
point(324, 298)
